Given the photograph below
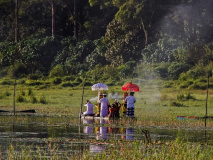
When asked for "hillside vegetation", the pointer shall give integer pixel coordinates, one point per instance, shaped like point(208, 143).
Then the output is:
point(111, 40)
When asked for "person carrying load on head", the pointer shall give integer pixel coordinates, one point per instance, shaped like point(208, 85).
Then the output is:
point(114, 109)
point(104, 106)
point(89, 111)
point(130, 100)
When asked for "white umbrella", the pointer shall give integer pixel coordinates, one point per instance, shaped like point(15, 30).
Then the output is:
point(98, 87)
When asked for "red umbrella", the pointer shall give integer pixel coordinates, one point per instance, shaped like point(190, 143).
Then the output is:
point(130, 87)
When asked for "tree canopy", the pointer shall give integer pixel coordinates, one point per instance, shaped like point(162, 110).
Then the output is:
point(78, 35)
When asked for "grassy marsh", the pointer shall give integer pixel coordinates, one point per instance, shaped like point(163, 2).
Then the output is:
point(153, 109)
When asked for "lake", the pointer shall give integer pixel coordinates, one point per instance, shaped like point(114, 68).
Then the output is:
point(71, 135)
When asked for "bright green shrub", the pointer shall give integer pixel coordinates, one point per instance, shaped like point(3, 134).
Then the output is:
point(33, 82)
point(7, 81)
point(186, 84)
point(57, 71)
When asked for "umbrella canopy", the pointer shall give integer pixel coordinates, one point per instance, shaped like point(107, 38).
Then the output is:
point(99, 87)
point(130, 87)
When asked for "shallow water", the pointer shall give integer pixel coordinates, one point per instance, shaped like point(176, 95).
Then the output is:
point(71, 135)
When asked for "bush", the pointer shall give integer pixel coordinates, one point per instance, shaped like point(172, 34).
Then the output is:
point(34, 76)
point(69, 78)
point(57, 71)
point(18, 70)
point(162, 70)
point(21, 81)
point(33, 82)
point(78, 80)
point(175, 69)
point(186, 84)
point(43, 100)
point(20, 98)
point(56, 80)
point(6, 93)
point(7, 81)
point(66, 84)
point(30, 92)
point(75, 83)
point(198, 85)
point(33, 99)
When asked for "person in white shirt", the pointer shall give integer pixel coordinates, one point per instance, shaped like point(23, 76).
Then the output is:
point(130, 100)
point(89, 108)
point(104, 106)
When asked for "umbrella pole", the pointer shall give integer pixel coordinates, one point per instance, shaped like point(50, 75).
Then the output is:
point(82, 98)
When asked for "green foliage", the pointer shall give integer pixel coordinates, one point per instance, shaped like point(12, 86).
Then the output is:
point(7, 81)
point(78, 80)
point(182, 97)
point(162, 51)
point(175, 69)
point(30, 92)
point(66, 84)
point(43, 99)
point(110, 32)
point(186, 84)
point(127, 70)
point(17, 71)
point(33, 99)
point(56, 80)
point(20, 98)
point(5, 94)
point(177, 104)
point(57, 71)
point(198, 85)
point(69, 78)
point(33, 82)
point(162, 70)
point(34, 76)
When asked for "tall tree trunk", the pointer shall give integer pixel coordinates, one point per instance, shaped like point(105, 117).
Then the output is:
point(16, 22)
point(75, 23)
point(145, 32)
point(53, 18)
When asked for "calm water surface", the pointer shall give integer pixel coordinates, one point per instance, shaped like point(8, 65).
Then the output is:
point(70, 134)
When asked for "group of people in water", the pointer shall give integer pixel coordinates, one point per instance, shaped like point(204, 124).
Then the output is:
point(104, 109)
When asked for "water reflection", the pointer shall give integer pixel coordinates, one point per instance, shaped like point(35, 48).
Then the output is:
point(39, 130)
point(97, 148)
point(88, 129)
point(130, 133)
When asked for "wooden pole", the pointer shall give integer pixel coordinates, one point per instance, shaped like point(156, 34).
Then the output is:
point(207, 94)
point(14, 99)
point(82, 98)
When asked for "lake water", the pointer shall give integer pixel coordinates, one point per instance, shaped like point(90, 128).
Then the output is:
point(70, 134)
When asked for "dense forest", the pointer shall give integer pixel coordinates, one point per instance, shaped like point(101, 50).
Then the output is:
point(106, 39)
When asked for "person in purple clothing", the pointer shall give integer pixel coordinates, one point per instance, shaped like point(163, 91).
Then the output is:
point(104, 106)
point(130, 100)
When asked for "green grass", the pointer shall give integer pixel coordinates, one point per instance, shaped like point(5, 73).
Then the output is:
point(153, 106)
point(116, 150)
